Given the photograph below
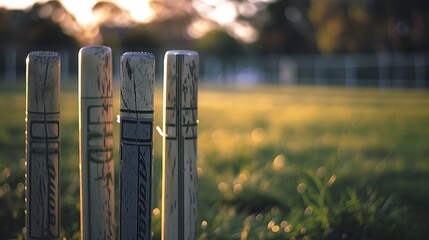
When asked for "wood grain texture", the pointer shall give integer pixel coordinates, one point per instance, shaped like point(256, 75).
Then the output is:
point(180, 181)
point(96, 143)
point(43, 146)
point(137, 74)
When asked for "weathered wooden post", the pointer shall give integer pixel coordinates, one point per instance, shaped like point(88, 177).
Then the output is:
point(96, 143)
point(43, 146)
point(137, 74)
point(179, 191)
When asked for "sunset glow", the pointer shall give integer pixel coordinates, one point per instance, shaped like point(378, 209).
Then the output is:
point(140, 10)
point(82, 10)
point(18, 4)
point(209, 15)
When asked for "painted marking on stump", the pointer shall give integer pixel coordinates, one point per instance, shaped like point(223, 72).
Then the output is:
point(43, 145)
point(136, 150)
point(96, 143)
point(179, 191)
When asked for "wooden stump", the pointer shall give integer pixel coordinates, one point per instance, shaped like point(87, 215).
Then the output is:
point(137, 75)
point(179, 192)
point(97, 206)
point(43, 146)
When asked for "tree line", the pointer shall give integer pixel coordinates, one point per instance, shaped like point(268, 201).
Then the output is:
point(282, 27)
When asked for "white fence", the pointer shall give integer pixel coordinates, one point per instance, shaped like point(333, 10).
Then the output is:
point(384, 70)
point(375, 70)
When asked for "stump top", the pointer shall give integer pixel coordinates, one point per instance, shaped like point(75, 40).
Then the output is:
point(181, 52)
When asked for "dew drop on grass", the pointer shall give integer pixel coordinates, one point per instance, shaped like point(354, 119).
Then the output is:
point(332, 179)
point(20, 187)
point(301, 188)
point(204, 224)
point(200, 172)
point(258, 135)
point(6, 172)
point(321, 172)
point(244, 175)
point(22, 163)
point(287, 228)
point(238, 188)
point(275, 228)
point(223, 187)
point(308, 211)
point(279, 162)
point(244, 234)
point(271, 225)
point(156, 211)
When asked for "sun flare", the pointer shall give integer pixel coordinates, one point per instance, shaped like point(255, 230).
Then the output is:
point(85, 17)
point(140, 10)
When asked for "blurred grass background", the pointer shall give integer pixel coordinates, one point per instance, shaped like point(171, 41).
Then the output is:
point(289, 162)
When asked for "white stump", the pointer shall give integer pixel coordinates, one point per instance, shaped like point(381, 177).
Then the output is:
point(179, 192)
point(137, 74)
point(43, 146)
point(96, 144)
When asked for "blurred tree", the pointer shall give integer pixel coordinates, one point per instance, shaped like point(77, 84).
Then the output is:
point(370, 25)
point(115, 24)
point(219, 42)
point(35, 27)
point(46, 33)
point(287, 29)
point(119, 29)
point(340, 26)
point(232, 26)
point(5, 22)
point(110, 14)
point(406, 24)
point(139, 38)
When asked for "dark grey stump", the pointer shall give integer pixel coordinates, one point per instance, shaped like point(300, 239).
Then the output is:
point(137, 74)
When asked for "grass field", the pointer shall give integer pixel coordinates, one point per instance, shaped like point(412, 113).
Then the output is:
point(273, 163)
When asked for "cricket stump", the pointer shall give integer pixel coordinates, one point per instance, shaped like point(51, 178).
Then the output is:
point(42, 153)
point(180, 180)
point(137, 74)
point(97, 208)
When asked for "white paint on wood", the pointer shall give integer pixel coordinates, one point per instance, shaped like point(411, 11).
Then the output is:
point(179, 191)
point(96, 143)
